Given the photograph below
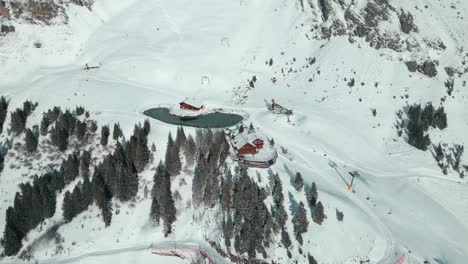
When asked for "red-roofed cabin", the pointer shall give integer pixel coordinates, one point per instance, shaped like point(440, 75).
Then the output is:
point(247, 149)
point(184, 105)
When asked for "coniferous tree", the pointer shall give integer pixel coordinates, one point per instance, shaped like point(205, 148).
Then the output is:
point(155, 210)
point(68, 207)
point(87, 193)
point(285, 238)
point(200, 174)
point(226, 195)
point(12, 236)
point(180, 139)
point(80, 129)
point(93, 126)
point(190, 151)
point(312, 195)
point(18, 121)
point(102, 196)
point(318, 215)
point(85, 161)
point(142, 152)
point(228, 229)
point(441, 118)
point(45, 125)
point(146, 127)
point(311, 259)
point(300, 222)
point(3, 111)
point(28, 107)
point(339, 215)
point(117, 132)
point(298, 182)
point(104, 135)
point(162, 196)
point(277, 191)
point(439, 153)
point(173, 162)
point(71, 167)
point(80, 110)
point(31, 141)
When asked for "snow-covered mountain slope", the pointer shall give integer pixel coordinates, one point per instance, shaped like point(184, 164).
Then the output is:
point(332, 62)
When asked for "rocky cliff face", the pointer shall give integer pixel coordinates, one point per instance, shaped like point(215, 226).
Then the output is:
point(377, 22)
point(40, 11)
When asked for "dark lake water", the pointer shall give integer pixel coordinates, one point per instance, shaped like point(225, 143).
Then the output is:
point(212, 120)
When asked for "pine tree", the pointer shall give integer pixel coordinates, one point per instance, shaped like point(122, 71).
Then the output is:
point(155, 210)
point(180, 139)
point(163, 195)
point(45, 125)
point(339, 215)
point(12, 236)
point(28, 107)
point(104, 135)
point(80, 129)
point(85, 161)
point(69, 210)
point(142, 152)
point(442, 118)
point(190, 151)
point(93, 126)
point(146, 127)
point(300, 222)
point(285, 238)
point(18, 121)
point(439, 153)
point(228, 229)
point(226, 195)
point(71, 167)
point(173, 162)
point(298, 182)
point(102, 196)
point(277, 191)
point(31, 141)
point(117, 132)
point(3, 111)
point(311, 259)
point(312, 195)
point(318, 216)
point(241, 129)
point(80, 110)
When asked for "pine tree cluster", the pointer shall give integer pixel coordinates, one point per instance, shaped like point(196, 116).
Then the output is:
point(20, 116)
point(248, 221)
point(316, 207)
point(212, 153)
point(77, 201)
point(162, 205)
point(31, 206)
point(419, 121)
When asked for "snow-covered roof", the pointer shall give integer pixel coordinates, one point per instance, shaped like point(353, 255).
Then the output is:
point(240, 140)
point(251, 136)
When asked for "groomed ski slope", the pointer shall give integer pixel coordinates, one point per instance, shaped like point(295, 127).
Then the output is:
point(154, 52)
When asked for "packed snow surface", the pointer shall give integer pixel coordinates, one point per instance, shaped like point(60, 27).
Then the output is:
point(155, 52)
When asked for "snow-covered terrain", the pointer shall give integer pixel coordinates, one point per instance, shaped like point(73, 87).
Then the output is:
point(153, 52)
